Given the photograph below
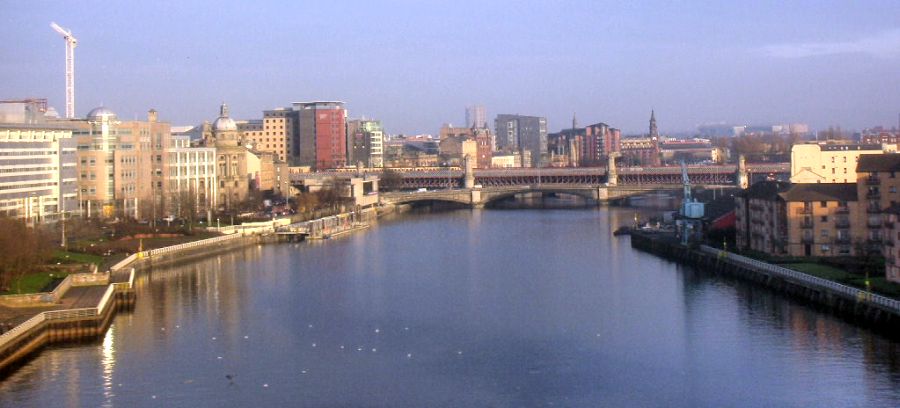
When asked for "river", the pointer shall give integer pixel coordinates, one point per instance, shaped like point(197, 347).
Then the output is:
point(463, 308)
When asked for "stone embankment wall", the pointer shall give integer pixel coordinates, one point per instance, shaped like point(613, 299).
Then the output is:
point(46, 328)
point(861, 307)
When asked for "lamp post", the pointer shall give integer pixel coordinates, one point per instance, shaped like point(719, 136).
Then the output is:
point(217, 223)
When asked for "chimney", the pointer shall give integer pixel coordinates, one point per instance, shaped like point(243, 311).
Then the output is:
point(152, 115)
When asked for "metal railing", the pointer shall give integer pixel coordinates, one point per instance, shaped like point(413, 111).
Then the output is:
point(813, 281)
point(188, 245)
point(81, 313)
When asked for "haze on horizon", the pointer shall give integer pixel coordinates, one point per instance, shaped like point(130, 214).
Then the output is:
point(416, 65)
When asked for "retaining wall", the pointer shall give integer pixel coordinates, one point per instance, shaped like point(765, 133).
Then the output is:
point(861, 307)
point(46, 328)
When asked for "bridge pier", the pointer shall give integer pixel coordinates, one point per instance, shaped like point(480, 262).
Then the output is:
point(602, 194)
point(475, 198)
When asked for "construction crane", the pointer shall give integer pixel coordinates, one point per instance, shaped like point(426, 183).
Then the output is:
point(71, 42)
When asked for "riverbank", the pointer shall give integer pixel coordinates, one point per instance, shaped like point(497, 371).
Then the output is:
point(858, 306)
point(57, 318)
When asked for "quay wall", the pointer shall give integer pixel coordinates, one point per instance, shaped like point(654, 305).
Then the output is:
point(861, 307)
point(86, 324)
point(59, 326)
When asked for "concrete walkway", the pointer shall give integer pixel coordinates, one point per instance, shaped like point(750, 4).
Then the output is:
point(75, 298)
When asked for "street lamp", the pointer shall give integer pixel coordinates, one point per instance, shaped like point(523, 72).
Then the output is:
point(217, 223)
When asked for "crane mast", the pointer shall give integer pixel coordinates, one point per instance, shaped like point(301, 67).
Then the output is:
point(71, 42)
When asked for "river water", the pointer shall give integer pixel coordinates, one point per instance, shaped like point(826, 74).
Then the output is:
point(463, 308)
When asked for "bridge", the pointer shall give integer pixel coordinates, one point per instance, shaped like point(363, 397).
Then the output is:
point(478, 197)
point(454, 177)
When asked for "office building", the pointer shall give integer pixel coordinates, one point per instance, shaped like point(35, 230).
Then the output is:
point(322, 137)
point(116, 161)
point(37, 172)
point(524, 134)
point(365, 143)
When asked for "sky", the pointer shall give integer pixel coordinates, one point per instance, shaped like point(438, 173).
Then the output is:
point(416, 65)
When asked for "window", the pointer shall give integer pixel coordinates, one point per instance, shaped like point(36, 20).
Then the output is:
point(823, 204)
point(824, 233)
point(824, 218)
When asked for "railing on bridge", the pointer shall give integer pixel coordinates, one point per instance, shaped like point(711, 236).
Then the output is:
point(453, 177)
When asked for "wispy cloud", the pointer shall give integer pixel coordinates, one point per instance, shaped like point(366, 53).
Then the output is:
point(884, 44)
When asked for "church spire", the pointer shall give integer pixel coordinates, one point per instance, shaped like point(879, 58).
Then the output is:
point(654, 133)
point(574, 122)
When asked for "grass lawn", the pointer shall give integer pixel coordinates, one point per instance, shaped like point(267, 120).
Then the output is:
point(879, 284)
point(68, 257)
point(33, 282)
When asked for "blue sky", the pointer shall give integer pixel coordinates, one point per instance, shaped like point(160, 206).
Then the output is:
point(417, 64)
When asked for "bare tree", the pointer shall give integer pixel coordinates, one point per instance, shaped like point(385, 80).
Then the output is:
point(21, 249)
point(390, 180)
point(186, 206)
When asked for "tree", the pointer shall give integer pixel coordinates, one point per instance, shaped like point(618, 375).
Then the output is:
point(306, 203)
point(21, 249)
point(185, 202)
point(391, 180)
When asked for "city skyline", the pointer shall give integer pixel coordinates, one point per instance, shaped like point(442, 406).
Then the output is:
point(410, 66)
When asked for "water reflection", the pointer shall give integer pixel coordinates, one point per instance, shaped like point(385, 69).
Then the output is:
point(463, 308)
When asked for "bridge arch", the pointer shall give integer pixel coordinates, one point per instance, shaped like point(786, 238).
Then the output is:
point(589, 194)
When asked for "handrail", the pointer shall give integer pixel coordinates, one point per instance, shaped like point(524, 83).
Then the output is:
point(110, 290)
point(815, 281)
point(25, 326)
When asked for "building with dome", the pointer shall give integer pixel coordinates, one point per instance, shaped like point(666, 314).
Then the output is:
point(115, 163)
point(231, 160)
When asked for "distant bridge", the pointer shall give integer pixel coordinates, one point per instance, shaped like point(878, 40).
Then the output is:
point(642, 177)
point(479, 197)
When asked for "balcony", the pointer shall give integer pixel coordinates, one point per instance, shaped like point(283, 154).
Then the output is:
point(873, 209)
point(806, 224)
point(888, 224)
point(803, 211)
point(842, 223)
point(873, 195)
point(842, 240)
point(842, 210)
point(874, 241)
point(808, 239)
point(873, 223)
point(873, 181)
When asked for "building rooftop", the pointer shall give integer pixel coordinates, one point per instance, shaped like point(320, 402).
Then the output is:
point(878, 162)
point(820, 192)
point(766, 190)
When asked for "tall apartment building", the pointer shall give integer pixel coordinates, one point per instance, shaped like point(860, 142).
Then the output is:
point(818, 219)
point(476, 117)
point(365, 143)
point(321, 137)
point(517, 133)
point(827, 162)
point(37, 171)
